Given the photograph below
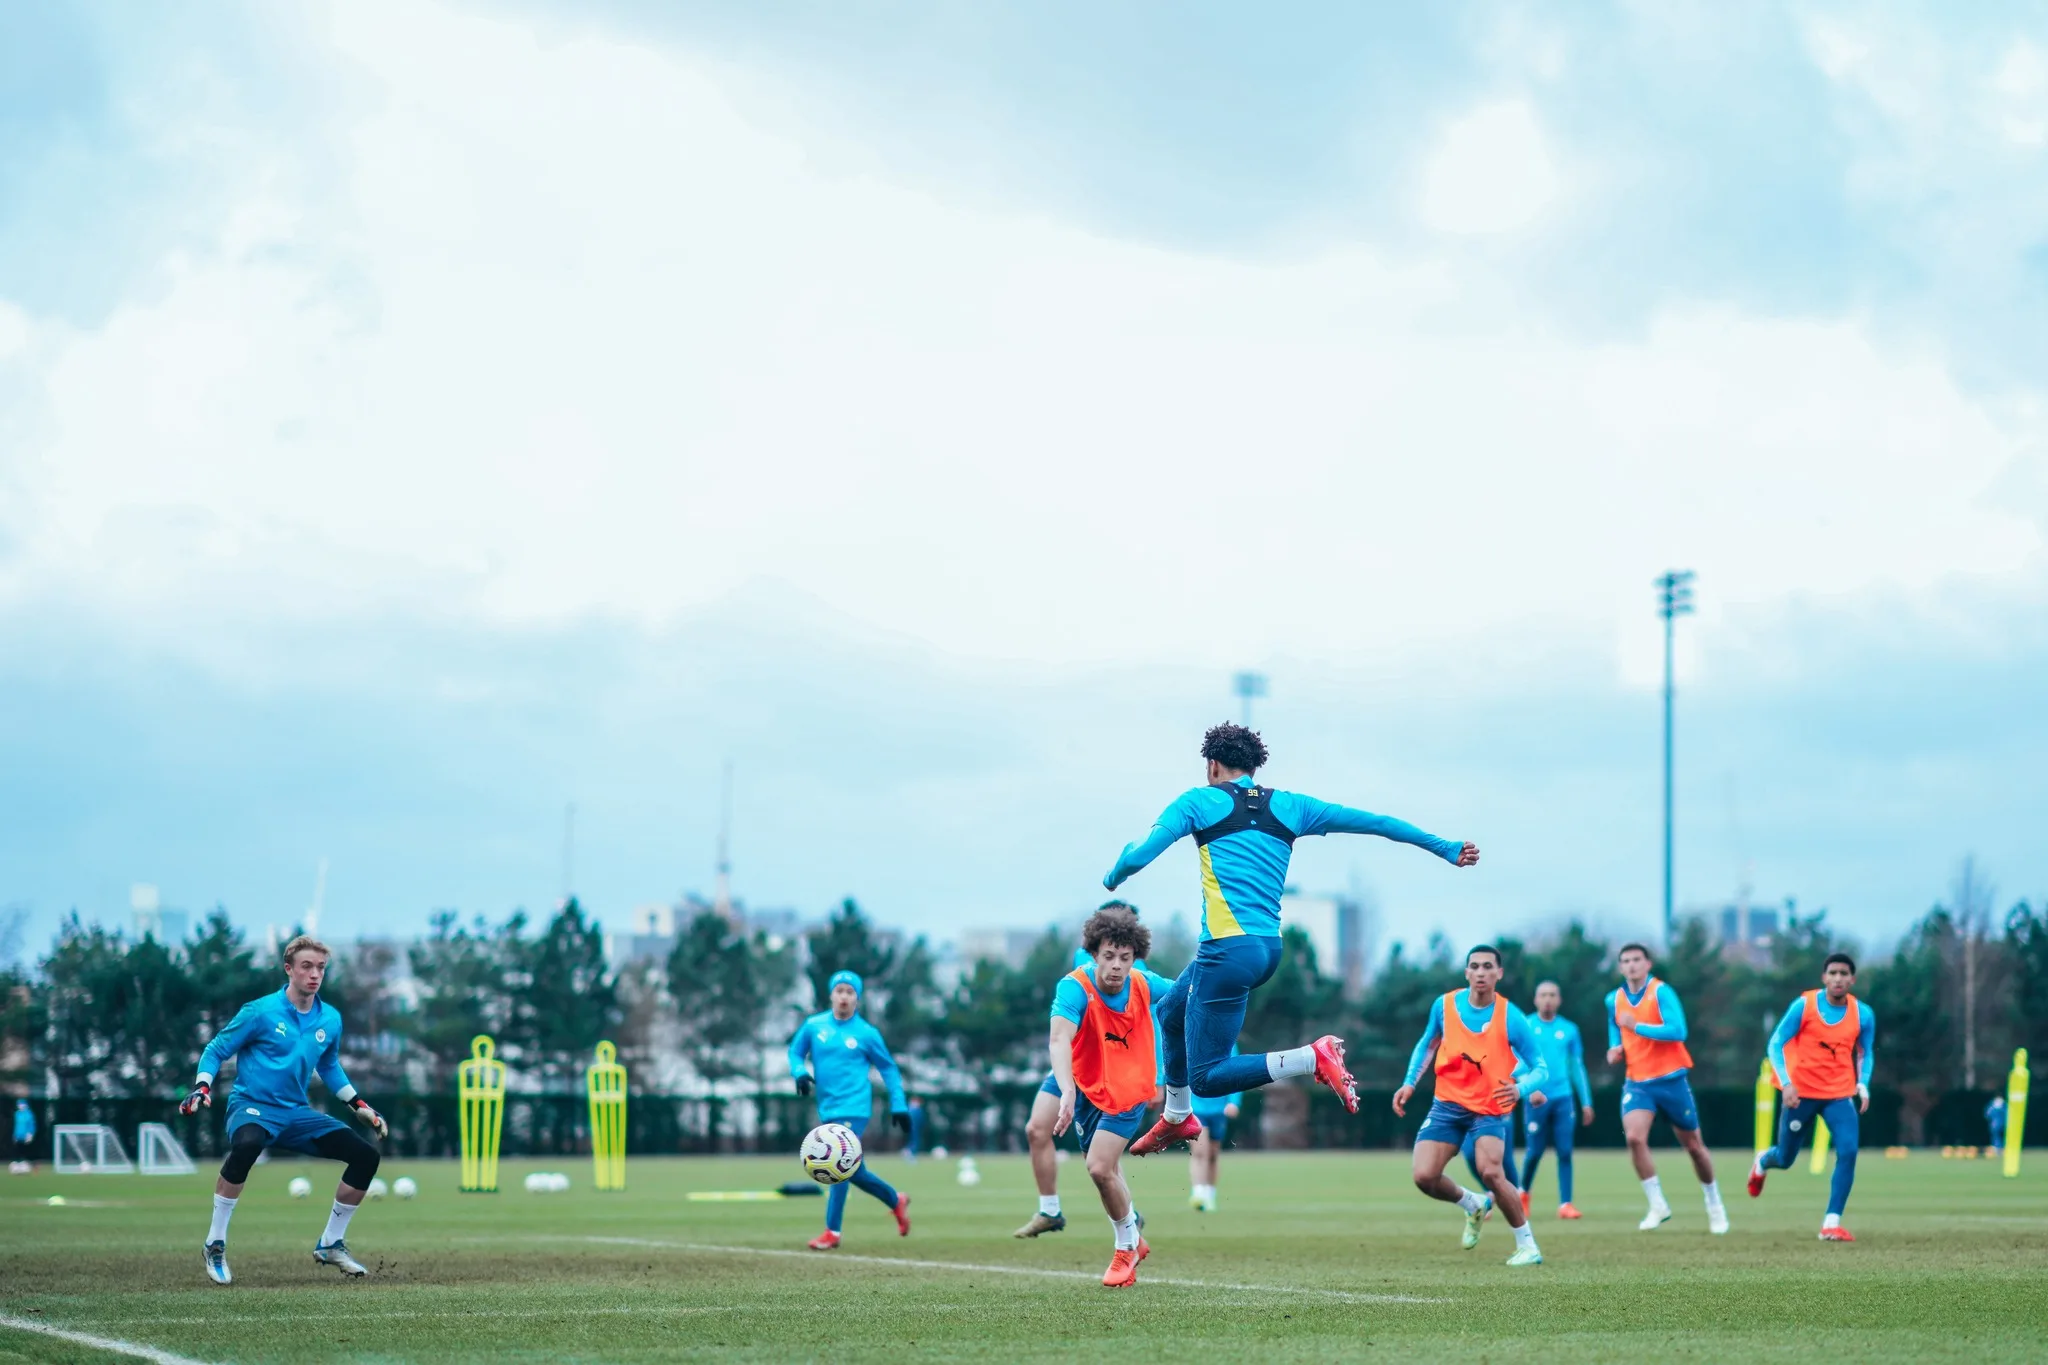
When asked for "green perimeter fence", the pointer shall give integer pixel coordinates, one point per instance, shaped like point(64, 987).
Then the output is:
point(991, 1121)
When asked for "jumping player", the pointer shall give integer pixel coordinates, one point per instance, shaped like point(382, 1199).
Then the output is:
point(1564, 1102)
point(1821, 1053)
point(1245, 836)
point(1480, 1041)
point(1646, 1027)
point(1104, 1058)
point(839, 1047)
point(277, 1044)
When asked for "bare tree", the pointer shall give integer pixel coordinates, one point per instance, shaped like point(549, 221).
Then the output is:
point(1970, 895)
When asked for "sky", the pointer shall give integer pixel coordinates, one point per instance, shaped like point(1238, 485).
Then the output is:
point(417, 418)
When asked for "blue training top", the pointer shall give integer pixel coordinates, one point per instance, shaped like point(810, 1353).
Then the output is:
point(1672, 1030)
point(1530, 1075)
point(1244, 873)
point(24, 1124)
point(840, 1053)
point(1788, 1029)
point(1564, 1059)
point(277, 1049)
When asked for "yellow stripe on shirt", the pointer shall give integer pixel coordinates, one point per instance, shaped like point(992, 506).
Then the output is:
point(1216, 912)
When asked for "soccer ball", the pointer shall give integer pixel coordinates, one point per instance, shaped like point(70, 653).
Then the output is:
point(970, 1174)
point(404, 1187)
point(300, 1187)
point(831, 1153)
point(378, 1189)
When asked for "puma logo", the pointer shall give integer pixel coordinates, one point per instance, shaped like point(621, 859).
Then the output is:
point(1119, 1039)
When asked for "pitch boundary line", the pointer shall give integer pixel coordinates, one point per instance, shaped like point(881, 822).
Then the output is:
point(117, 1346)
point(1342, 1295)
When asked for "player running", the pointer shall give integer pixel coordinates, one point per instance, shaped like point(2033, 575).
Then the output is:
point(839, 1047)
point(1480, 1041)
point(277, 1043)
point(1245, 836)
point(1205, 1153)
point(1045, 1111)
point(1105, 1062)
point(1821, 1053)
point(1646, 1027)
point(1563, 1103)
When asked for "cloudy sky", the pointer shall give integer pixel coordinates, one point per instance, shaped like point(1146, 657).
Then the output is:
point(415, 418)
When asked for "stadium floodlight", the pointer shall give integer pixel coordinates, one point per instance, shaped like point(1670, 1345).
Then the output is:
point(1674, 599)
point(1248, 686)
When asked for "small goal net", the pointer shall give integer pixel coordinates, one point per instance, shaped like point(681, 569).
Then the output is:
point(89, 1149)
point(158, 1152)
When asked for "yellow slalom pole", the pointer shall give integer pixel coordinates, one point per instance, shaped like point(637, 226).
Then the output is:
point(2015, 1112)
point(1766, 1108)
point(1819, 1164)
point(480, 1092)
point(606, 1082)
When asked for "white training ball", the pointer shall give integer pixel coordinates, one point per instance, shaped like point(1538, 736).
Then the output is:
point(557, 1182)
point(831, 1153)
point(938, 1153)
point(404, 1187)
point(378, 1189)
point(536, 1183)
point(300, 1188)
point(968, 1175)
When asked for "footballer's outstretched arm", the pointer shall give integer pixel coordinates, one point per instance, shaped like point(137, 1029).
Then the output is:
point(1060, 1047)
point(1175, 823)
point(1307, 816)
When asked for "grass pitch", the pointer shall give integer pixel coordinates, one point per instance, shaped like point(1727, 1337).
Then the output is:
point(1311, 1257)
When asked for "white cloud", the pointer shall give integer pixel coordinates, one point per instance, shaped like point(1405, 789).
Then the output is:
point(574, 336)
point(1491, 173)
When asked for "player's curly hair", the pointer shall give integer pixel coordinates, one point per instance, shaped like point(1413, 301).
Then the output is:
point(1234, 746)
point(1117, 925)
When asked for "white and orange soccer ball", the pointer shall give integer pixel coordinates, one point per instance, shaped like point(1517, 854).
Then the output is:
point(831, 1153)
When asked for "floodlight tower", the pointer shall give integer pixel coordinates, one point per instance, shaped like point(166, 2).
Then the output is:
point(723, 896)
point(1248, 686)
point(1674, 599)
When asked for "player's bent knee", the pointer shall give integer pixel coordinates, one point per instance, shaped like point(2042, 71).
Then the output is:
point(362, 1166)
point(242, 1154)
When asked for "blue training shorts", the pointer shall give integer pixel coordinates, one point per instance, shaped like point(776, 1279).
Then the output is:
point(295, 1128)
point(1218, 1125)
point(1448, 1122)
point(1050, 1086)
point(1087, 1119)
point(1670, 1096)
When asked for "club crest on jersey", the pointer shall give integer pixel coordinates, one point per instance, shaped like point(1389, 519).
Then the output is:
point(319, 1035)
point(852, 1043)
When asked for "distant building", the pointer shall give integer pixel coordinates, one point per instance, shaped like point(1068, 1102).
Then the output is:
point(151, 917)
point(1337, 926)
point(1744, 932)
point(1012, 947)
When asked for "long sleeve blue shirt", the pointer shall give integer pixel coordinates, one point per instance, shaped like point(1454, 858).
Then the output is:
point(1672, 1030)
point(839, 1054)
point(278, 1048)
point(1564, 1059)
point(1788, 1029)
point(1530, 1074)
point(24, 1124)
point(1244, 874)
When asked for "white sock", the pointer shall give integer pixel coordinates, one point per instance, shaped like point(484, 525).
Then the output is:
point(1126, 1231)
point(1180, 1103)
point(1713, 1192)
point(1833, 1220)
point(1049, 1205)
point(1470, 1201)
point(337, 1222)
point(1655, 1189)
point(1206, 1191)
point(1296, 1061)
point(1525, 1236)
point(223, 1209)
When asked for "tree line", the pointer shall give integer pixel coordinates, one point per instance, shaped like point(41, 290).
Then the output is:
point(107, 1015)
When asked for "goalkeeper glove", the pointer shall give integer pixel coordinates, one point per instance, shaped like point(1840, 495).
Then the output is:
point(202, 1093)
point(370, 1116)
point(901, 1120)
point(805, 1085)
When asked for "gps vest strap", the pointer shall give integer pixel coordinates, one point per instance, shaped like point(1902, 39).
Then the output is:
point(1250, 808)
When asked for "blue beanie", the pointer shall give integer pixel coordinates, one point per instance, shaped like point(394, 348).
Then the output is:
point(843, 978)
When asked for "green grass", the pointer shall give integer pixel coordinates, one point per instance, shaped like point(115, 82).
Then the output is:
point(1303, 1262)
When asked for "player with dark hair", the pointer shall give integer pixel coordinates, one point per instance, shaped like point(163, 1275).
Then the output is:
point(1106, 1064)
point(1564, 1099)
point(1646, 1029)
point(1486, 1060)
point(831, 1054)
point(1821, 1054)
point(1244, 835)
point(277, 1043)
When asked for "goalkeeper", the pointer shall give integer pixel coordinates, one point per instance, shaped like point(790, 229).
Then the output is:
point(277, 1043)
